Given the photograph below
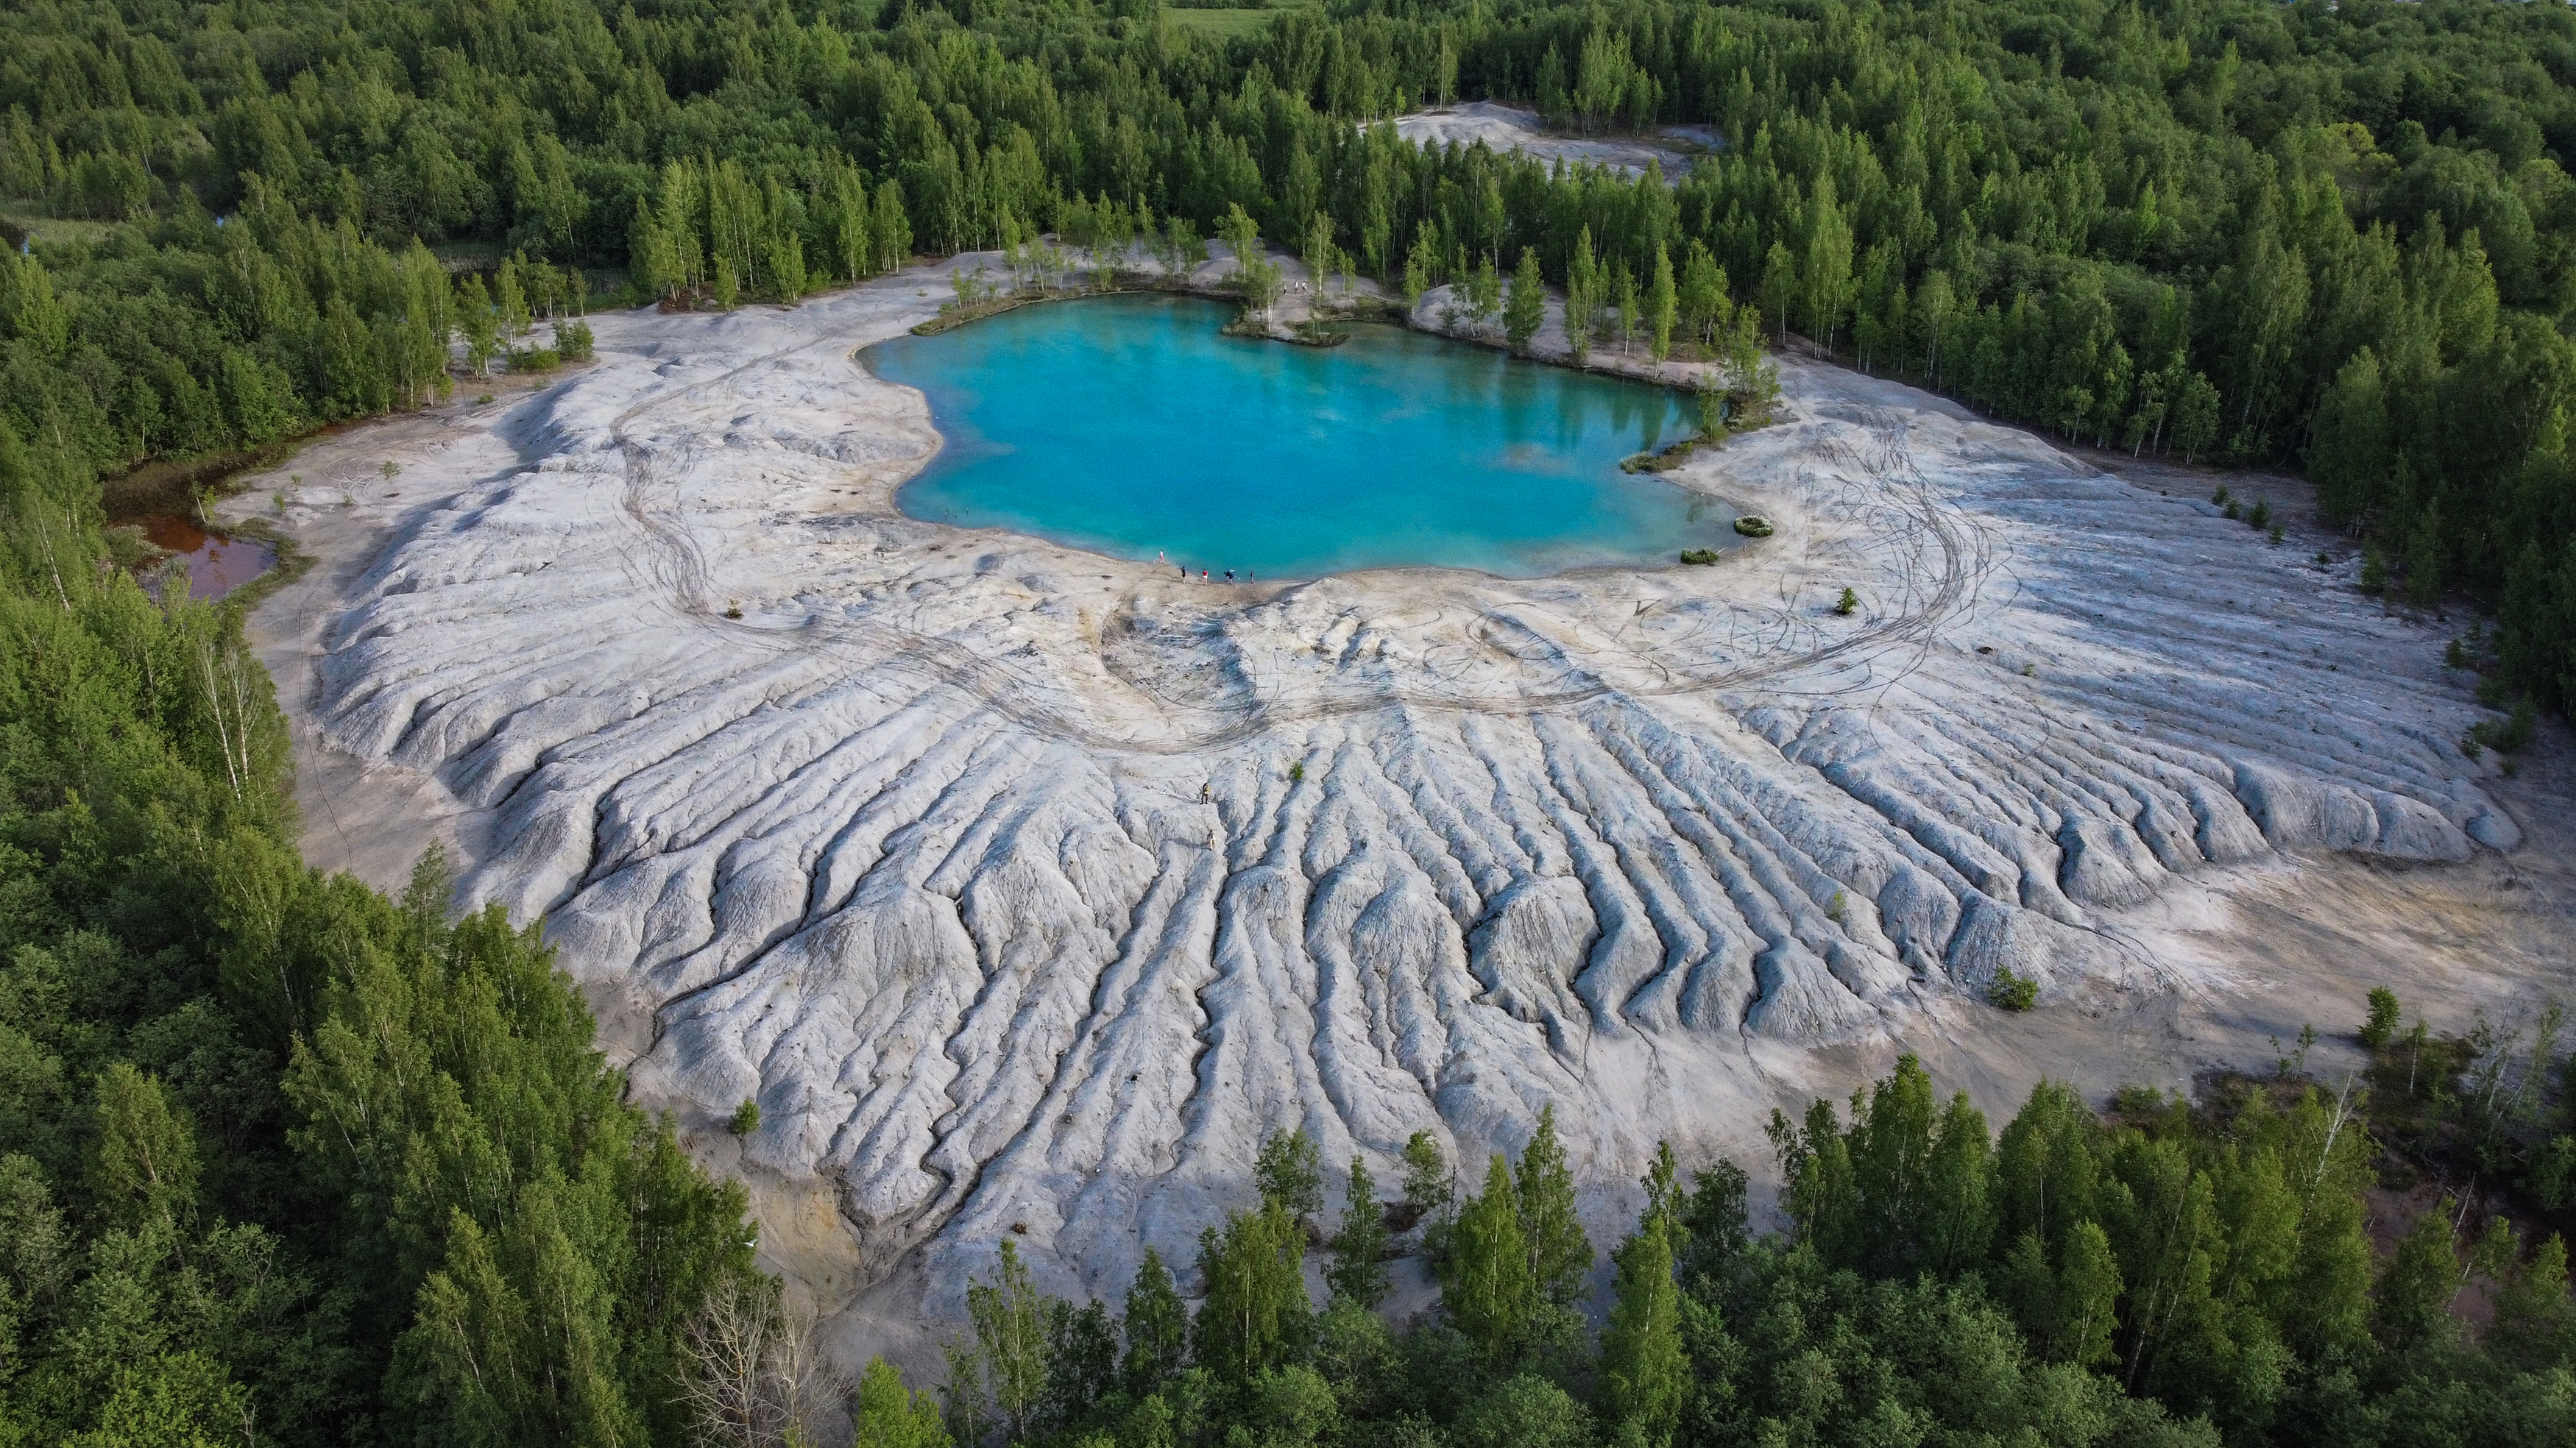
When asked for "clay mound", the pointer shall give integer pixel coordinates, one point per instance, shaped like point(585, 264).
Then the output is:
point(1022, 885)
point(1508, 128)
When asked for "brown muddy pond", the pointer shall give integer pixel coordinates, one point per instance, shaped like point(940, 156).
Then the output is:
point(217, 564)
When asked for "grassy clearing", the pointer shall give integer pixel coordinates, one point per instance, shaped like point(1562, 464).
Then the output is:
point(21, 218)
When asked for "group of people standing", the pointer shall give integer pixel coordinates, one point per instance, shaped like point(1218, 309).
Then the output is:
point(1248, 575)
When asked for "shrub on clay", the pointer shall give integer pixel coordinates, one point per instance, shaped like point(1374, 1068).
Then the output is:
point(2510, 733)
point(2383, 1018)
point(2138, 1101)
point(2012, 992)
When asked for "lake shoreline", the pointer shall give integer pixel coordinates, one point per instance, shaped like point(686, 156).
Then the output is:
point(1471, 464)
point(1362, 300)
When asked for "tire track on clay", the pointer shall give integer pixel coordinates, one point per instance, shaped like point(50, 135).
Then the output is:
point(687, 575)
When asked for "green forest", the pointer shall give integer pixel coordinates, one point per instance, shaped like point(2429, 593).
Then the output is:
point(284, 1161)
point(2167, 1275)
point(2331, 237)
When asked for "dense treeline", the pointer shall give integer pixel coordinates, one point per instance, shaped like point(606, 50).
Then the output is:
point(2171, 1275)
point(283, 1161)
point(2331, 235)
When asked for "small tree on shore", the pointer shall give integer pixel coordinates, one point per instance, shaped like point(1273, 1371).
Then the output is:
point(474, 319)
point(1484, 291)
point(1526, 311)
point(1582, 296)
point(1319, 252)
point(1255, 273)
point(1627, 285)
point(1417, 270)
point(1663, 305)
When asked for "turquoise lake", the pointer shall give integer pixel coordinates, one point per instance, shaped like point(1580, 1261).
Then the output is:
point(1131, 426)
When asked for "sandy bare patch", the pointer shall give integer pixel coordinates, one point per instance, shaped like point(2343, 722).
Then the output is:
point(1508, 128)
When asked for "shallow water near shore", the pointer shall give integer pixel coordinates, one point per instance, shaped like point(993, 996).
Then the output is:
point(1131, 426)
point(217, 563)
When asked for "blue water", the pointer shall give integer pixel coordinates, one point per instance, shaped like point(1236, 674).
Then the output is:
point(1129, 426)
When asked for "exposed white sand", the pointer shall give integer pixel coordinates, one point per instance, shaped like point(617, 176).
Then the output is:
point(979, 861)
point(1509, 128)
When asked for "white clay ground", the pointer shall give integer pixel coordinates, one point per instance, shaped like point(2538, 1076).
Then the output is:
point(1508, 128)
point(979, 861)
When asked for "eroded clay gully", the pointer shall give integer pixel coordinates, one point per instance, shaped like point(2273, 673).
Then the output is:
point(980, 862)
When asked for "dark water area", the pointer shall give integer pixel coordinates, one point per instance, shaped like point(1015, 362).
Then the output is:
point(217, 564)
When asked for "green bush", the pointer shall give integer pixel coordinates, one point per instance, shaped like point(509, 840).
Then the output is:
point(1699, 555)
point(745, 1119)
point(2510, 733)
point(574, 341)
point(2383, 1018)
point(2012, 992)
point(2138, 1101)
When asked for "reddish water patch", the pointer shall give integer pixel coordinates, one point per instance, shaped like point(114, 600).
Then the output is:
point(216, 564)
